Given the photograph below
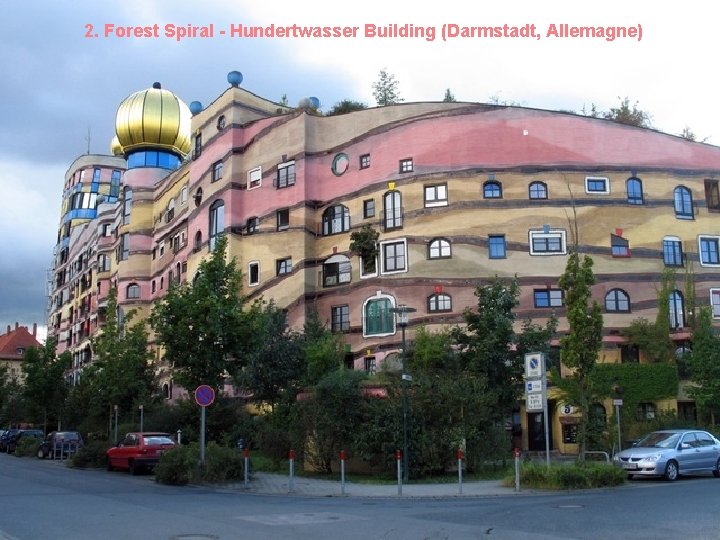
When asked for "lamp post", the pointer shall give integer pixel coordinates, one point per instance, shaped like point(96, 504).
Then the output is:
point(402, 321)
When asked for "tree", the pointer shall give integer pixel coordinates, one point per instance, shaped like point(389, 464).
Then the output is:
point(624, 113)
point(705, 366)
point(345, 106)
point(582, 343)
point(322, 349)
point(45, 387)
point(121, 373)
point(688, 134)
point(385, 89)
point(201, 325)
point(449, 96)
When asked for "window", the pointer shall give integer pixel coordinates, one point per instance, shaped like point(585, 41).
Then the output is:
point(406, 165)
point(340, 164)
point(377, 317)
point(439, 249)
point(368, 267)
point(253, 273)
point(336, 271)
point(217, 171)
point(198, 197)
point(170, 214)
point(436, 195)
point(198, 241)
point(127, 205)
point(677, 310)
point(597, 184)
point(712, 196)
point(551, 242)
point(683, 203)
point(545, 298)
point(252, 225)
point(393, 257)
point(335, 220)
point(103, 263)
point(198, 146)
point(153, 286)
point(715, 303)
point(369, 208)
point(492, 189)
point(365, 161)
point(634, 191)
point(617, 300)
point(124, 247)
point(619, 246)
point(709, 252)
point(221, 122)
point(286, 175)
point(254, 178)
point(340, 318)
point(217, 223)
point(183, 195)
point(283, 266)
point(133, 291)
point(645, 411)
point(161, 248)
point(282, 219)
point(106, 229)
point(629, 354)
point(115, 183)
point(672, 251)
point(393, 210)
point(538, 190)
point(439, 303)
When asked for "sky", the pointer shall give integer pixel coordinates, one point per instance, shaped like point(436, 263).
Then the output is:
point(60, 84)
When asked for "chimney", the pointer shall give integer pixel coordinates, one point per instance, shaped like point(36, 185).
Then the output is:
point(34, 329)
point(17, 325)
point(8, 329)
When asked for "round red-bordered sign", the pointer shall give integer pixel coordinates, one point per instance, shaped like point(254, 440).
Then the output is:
point(204, 395)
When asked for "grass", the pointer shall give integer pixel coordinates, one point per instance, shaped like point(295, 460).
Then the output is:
point(567, 476)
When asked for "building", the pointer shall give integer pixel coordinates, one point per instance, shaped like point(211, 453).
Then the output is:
point(459, 192)
point(13, 345)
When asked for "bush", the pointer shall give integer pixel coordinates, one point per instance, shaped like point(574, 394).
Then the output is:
point(27, 447)
point(92, 454)
point(181, 466)
point(574, 476)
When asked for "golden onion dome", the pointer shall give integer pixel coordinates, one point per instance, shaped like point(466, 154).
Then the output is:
point(155, 119)
point(116, 148)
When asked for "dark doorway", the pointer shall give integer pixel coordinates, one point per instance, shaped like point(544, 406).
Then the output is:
point(536, 431)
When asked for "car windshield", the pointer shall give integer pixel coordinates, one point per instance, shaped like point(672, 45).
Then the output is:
point(157, 439)
point(659, 439)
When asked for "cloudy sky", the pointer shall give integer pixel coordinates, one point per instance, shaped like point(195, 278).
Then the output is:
point(56, 84)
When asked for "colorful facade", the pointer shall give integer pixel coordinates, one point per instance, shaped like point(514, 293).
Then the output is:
point(459, 192)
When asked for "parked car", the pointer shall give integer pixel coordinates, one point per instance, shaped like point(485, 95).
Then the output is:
point(672, 452)
point(138, 451)
point(21, 434)
point(5, 437)
point(60, 444)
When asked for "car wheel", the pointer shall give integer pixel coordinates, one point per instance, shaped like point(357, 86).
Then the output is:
point(134, 468)
point(630, 476)
point(41, 453)
point(671, 471)
point(716, 472)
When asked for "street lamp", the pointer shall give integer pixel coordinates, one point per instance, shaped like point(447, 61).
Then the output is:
point(402, 321)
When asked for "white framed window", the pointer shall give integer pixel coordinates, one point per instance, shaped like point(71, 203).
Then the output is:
point(436, 195)
point(368, 267)
point(336, 271)
point(548, 242)
point(709, 250)
point(597, 184)
point(378, 320)
point(715, 303)
point(254, 178)
point(393, 256)
point(253, 273)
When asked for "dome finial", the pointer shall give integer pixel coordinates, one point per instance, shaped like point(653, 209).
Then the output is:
point(157, 86)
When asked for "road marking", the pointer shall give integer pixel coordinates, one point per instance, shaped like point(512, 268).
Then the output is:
point(306, 518)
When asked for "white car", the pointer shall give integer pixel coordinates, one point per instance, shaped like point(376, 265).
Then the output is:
point(670, 453)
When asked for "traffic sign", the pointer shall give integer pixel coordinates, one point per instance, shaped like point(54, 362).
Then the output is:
point(534, 365)
point(534, 402)
point(204, 395)
point(534, 386)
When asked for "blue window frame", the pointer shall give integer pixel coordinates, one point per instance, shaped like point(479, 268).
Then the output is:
point(634, 191)
point(492, 189)
point(672, 251)
point(683, 203)
point(710, 250)
point(496, 246)
point(546, 298)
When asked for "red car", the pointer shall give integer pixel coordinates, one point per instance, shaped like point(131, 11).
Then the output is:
point(138, 451)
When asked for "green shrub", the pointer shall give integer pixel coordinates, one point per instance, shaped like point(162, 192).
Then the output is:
point(181, 465)
point(570, 476)
point(92, 454)
point(27, 447)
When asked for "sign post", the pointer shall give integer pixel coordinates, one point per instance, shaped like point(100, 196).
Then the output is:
point(343, 457)
point(204, 396)
point(536, 392)
point(460, 457)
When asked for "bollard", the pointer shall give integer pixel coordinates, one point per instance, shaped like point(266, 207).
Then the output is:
point(517, 470)
point(291, 483)
point(398, 457)
point(460, 457)
point(343, 456)
point(246, 471)
point(179, 436)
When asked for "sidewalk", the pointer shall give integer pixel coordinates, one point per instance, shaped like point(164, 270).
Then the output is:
point(278, 484)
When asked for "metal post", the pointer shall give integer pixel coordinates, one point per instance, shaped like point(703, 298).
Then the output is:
point(342, 472)
point(406, 471)
point(116, 423)
point(141, 417)
point(547, 435)
point(460, 460)
point(291, 482)
point(617, 415)
point(517, 470)
point(398, 458)
point(179, 436)
point(246, 468)
point(202, 436)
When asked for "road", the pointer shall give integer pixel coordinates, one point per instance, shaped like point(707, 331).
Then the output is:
point(42, 500)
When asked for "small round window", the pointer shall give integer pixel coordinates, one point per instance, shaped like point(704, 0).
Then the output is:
point(221, 122)
point(340, 164)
